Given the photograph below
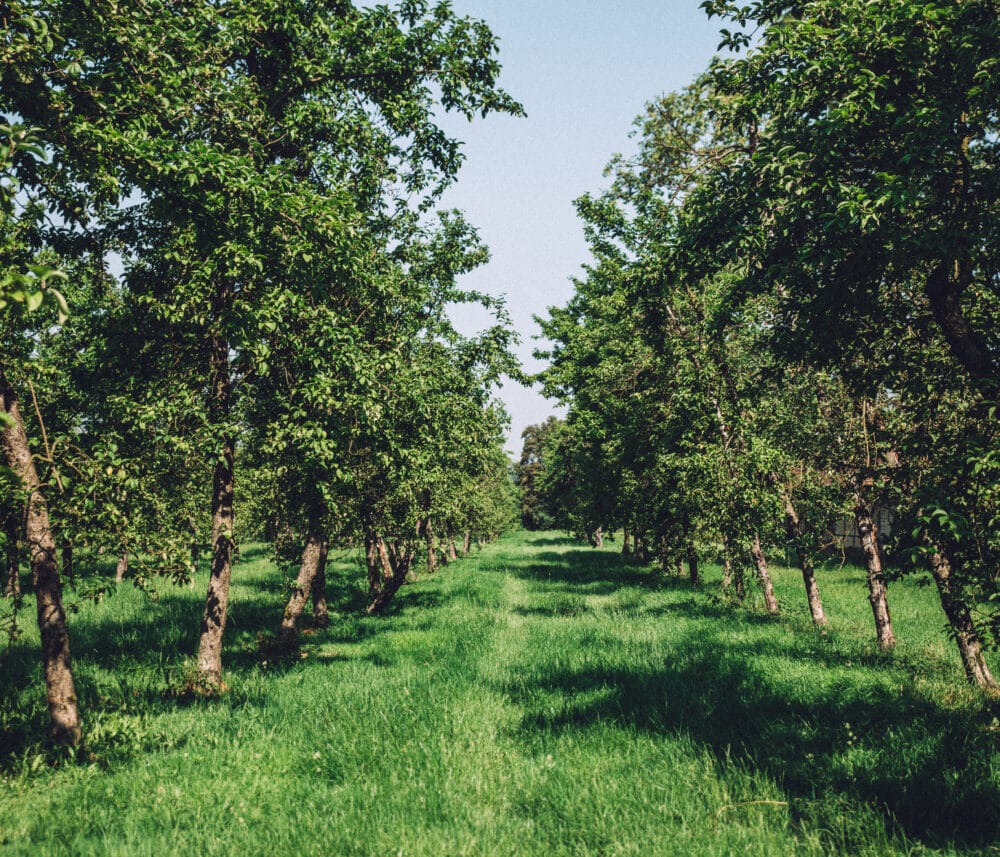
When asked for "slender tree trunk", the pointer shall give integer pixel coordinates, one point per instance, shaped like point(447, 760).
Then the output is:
point(884, 636)
point(64, 716)
point(213, 623)
point(373, 564)
point(401, 567)
point(289, 630)
point(12, 530)
point(466, 543)
point(764, 575)
point(428, 531)
point(599, 537)
point(970, 645)
point(679, 567)
point(793, 527)
point(383, 555)
point(321, 613)
point(626, 545)
point(121, 569)
point(692, 561)
point(452, 550)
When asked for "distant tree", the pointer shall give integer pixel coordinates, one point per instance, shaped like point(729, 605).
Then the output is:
point(536, 511)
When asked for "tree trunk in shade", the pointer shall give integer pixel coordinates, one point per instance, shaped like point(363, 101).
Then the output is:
point(373, 564)
point(885, 638)
point(764, 575)
point(793, 528)
point(452, 549)
point(289, 629)
point(321, 613)
point(970, 644)
point(427, 529)
point(692, 561)
point(60, 690)
point(626, 543)
point(384, 558)
point(466, 543)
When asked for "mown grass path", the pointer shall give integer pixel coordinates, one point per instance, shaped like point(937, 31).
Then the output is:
point(538, 698)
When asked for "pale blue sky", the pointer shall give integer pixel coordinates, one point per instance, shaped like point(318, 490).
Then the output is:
point(583, 70)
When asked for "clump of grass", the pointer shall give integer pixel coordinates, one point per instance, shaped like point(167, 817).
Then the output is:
point(538, 697)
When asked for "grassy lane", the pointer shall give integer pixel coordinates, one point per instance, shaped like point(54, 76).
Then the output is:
point(537, 698)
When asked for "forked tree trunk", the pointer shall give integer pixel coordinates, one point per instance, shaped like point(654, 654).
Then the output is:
point(288, 632)
point(12, 530)
point(60, 691)
point(213, 623)
point(692, 561)
point(764, 575)
point(793, 528)
point(466, 543)
point(885, 638)
point(970, 645)
point(321, 613)
point(402, 560)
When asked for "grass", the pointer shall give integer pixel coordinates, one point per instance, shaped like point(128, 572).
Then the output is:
point(538, 698)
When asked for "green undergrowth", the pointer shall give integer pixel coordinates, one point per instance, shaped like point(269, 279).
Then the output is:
point(539, 697)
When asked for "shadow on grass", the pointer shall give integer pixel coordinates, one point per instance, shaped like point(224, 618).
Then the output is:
point(139, 664)
point(865, 737)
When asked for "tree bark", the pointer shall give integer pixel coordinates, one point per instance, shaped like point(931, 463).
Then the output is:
point(383, 555)
point(64, 716)
point(764, 575)
point(970, 645)
point(793, 528)
point(599, 537)
point(213, 623)
point(12, 530)
point(373, 564)
point(944, 289)
point(466, 543)
point(692, 561)
point(885, 638)
point(626, 544)
point(452, 550)
point(321, 613)
point(402, 560)
point(121, 569)
point(288, 632)
point(427, 528)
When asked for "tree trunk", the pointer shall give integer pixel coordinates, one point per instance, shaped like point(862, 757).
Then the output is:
point(679, 567)
point(64, 716)
point(401, 567)
point(426, 529)
point(793, 527)
point(213, 623)
point(970, 645)
point(373, 564)
point(626, 546)
point(764, 575)
point(692, 561)
point(466, 543)
point(452, 550)
point(121, 569)
point(383, 555)
point(599, 537)
point(12, 530)
point(884, 636)
point(321, 613)
point(311, 554)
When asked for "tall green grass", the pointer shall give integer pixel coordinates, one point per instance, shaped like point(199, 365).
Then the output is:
point(540, 697)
